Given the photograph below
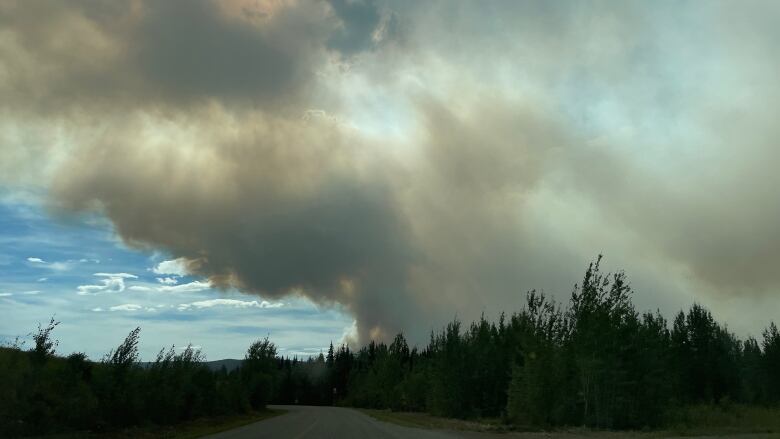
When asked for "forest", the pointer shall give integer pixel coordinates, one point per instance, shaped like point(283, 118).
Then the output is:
point(595, 362)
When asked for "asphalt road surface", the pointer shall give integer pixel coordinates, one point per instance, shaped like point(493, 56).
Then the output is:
point(305, 422)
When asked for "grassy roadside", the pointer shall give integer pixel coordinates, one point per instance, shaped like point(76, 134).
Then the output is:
point(726, 419)
point(187, 430)
point(701, 421)
point(424, 420)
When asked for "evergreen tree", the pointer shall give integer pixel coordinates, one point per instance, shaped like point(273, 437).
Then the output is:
point(771, 345)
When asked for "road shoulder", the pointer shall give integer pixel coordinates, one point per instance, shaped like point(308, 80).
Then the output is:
point(186, 430)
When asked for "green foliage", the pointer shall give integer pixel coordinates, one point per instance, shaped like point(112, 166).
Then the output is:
point(258, 371)
point(45, 346)
point(41, 393)
point(770, 363)
point(126, 354)
point(537, 371)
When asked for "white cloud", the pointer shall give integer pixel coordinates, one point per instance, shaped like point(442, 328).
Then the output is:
point(186, 288)
point(58, 266)
point(169, 286)
point(122, 275)
point(126, 307)
point(97, 309)
point(167, 280)
point(25, 293)
point(176, 267)
point(113, 283)
point(43, 279)
point(89, 290)
point(233, 303)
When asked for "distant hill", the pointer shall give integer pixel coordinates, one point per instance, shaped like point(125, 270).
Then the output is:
point(229, 363)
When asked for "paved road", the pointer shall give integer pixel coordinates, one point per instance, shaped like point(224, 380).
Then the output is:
point(304, 422)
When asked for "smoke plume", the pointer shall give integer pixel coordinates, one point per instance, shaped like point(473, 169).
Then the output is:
point(410, 162)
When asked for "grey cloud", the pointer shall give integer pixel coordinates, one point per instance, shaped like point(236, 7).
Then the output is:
point(190, 49)
point(146, 53)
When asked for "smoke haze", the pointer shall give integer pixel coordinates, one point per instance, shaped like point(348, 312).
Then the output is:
point(412, 161)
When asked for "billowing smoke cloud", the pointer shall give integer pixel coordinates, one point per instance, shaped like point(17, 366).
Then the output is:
point(410, 161)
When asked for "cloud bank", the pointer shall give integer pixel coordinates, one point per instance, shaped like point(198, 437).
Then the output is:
point(232, 303)
point(408, 161)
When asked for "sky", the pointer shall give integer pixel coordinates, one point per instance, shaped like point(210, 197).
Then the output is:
point(343, 170)
point(79, 272)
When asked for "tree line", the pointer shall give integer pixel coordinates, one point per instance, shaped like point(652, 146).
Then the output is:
point(596, 362)
point(42, 393)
